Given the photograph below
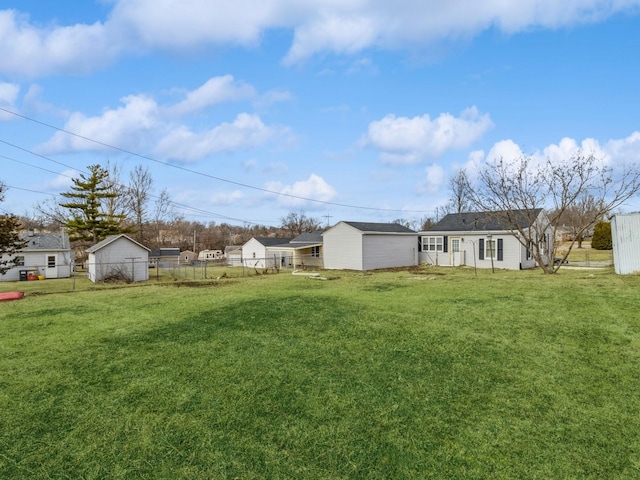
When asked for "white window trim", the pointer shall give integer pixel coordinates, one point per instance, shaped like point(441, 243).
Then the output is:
point(438, 243)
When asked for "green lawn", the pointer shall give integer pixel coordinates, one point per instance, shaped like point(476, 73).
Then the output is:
point(435, 373)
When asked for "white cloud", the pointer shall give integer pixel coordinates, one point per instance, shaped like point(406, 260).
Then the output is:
point(246, 131)
point(403, 140)
point(29, 50)
point(434, 180)
point(140, 123)
point(63, 181)
point(625, 150)
point(338, 27)
point(215, 90)
point(125, 127)
point(226, 198)
point(273, 96)
point(8, 96)
point(315, 187)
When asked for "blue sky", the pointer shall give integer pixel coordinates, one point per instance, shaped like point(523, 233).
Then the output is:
point(352, 109)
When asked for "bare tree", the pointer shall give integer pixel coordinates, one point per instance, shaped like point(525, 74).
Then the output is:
point(116, 204)
point(574, 217)
point(138, 191)
point(297, 223)
point(459, 188)
point(509, 190)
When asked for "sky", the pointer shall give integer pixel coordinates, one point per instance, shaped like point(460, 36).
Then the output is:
point(356, 110)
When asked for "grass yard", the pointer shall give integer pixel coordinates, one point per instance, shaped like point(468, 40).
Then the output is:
point(434, 373)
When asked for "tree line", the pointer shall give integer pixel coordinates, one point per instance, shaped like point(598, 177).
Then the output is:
point(578, 193)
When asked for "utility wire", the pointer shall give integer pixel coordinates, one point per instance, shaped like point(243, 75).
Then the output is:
point(195, 172)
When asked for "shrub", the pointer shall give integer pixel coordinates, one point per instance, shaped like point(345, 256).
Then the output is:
point(602, 236)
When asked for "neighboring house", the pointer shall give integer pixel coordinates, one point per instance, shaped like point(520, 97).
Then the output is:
point(164, 257)
point(46, 255)
point(233, 255)
point(208, 255)
point(369, 246)
point(254, 252)
point(303, 251)
point(625, 234)
point(479, 239)
point(188, 257)
point(119, 257)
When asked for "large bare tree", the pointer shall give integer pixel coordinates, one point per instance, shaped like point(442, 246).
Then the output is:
point(138, 192)
point(297, 223)
point(509, 189)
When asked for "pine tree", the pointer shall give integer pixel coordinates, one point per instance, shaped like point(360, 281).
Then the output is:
point(10, 242)
point(89, 222)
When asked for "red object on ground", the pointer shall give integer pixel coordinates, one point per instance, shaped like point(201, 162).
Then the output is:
point(11, 296)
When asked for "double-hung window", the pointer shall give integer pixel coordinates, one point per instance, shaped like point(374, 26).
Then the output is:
point(432, 244)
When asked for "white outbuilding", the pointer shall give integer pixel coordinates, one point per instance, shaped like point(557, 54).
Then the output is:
point(118, 257)
point(369, 246)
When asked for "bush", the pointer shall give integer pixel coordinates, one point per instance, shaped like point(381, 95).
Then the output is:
point(602, 236)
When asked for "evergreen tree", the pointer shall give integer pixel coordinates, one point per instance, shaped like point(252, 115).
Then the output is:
point(10, 242)
point(602, 236)
point(89, 222)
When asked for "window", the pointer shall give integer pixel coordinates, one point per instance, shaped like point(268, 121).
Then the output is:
point(432, 244)
point(19, 261)
point(315, 251)
point(51, 261)
point(490, 249)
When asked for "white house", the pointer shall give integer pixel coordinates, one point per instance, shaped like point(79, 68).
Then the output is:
point(625, 234)
point(119, 257)
point(254, 252)
point(481, 240)
point(303, 251)
point(369, 246)
point(46, 255)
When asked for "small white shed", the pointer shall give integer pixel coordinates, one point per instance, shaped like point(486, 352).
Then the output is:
point(369, 246)
point(255, 255)
point(625, 234)
point(118, 257)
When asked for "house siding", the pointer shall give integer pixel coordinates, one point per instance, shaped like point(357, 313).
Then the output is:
point(254, 254)
point(36, 258)
point(122, 255)
point(513, 253)
point(343, 248)
point(388, 251)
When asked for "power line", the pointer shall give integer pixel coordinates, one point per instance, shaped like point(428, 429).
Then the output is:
point(189, 208)
point(196, 172)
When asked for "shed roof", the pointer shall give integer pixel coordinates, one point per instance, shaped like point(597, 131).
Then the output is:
point(484, 221)
point(369, 227)
point(110, 239)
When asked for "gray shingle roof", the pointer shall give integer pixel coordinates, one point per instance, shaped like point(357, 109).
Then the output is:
point(45, 241)
point(271, 241)
point(112, 238)
point(380, 227)
point(309, 237)
point(483, 221)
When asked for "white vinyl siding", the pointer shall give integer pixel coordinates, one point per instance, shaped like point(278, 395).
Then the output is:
point(121, 255)
point(346, 247)
point(343, 248)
